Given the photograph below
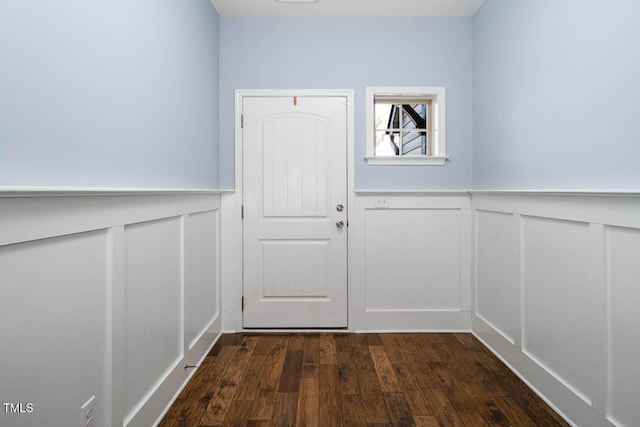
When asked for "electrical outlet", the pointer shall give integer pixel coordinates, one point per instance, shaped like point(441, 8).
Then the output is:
point(88, 413)
point(382, 202)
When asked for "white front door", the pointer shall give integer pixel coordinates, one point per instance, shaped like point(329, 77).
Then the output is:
point(295, 212)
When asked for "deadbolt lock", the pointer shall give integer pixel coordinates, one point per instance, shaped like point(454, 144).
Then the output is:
point(339, 208)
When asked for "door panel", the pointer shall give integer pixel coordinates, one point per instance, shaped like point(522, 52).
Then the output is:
point(294, 173)
point(295, 268)
point(294, 176)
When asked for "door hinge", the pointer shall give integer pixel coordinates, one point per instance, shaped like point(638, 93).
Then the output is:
point(242, 121)
point(242, 304)
point(242, 212)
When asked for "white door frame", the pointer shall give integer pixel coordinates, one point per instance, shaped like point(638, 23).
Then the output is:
point(231, 232)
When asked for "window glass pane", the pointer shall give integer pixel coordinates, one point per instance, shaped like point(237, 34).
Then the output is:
point(382, 114)
point(414, 143)
point(384, 145)
point(414, 116)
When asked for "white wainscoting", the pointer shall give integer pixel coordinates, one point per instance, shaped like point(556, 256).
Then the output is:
point(556, 293)
point(107, 294)
point(410, 261)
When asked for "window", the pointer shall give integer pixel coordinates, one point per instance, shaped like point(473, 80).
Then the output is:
point(405, 126)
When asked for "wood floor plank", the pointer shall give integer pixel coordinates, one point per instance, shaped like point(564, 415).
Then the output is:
point(412, 391)
point(411, 351)
point(453, 354)
point(354, 413)
point(444, 373)
point(285, 409)
point(384, 369)
point(327, 350)
point(248, 389)
point(259, 423)
point(474, 419)
point(308, 409)
point(226, 340)
point(263, 406)
point(526, 399)
point(486, 405)
point(311, 357)
point(484, 383)
point(273, 365)
point(515, 414)
point(470, 342)
point(425, 377)
point(373, 339)
point(347, 374)
point(376, 410)
point(330, 404)
point(465, 407)
point(490, 411)
point(369, 385)
point(343, 343)
point(266, 342)
point(453, 343)
point(175, 415)
point(442, 408)
point(238, 413)
point(191, 408)
point(393, 347)
point(327, 379)
point(399, 412)
point(296, 342)
point(486, 359)
point(432, 338)
point(426, 421)
point(217, 408)
point(291, 372)
point(461, 401)
point(362, 355)
point(428, 347)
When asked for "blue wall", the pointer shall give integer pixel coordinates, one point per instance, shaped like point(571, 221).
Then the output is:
point(544, 93)
point(325, 53)
point(557, 95)
point(109, 93)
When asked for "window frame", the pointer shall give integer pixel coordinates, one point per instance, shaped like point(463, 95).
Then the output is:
point(436, 95)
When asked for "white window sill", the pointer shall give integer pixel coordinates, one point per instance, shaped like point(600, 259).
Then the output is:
point(406, 160)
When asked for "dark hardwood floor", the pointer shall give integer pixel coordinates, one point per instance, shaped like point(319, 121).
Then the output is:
point(355, 380)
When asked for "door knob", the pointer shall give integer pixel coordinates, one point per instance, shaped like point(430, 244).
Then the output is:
point(339, 208)
point(340, 223)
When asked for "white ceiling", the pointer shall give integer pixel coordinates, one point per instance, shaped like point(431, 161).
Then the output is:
point(348, 8)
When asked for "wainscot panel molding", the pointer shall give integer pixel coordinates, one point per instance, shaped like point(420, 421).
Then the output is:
point(108, 293)
point(410, 261)
point(555, 296)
